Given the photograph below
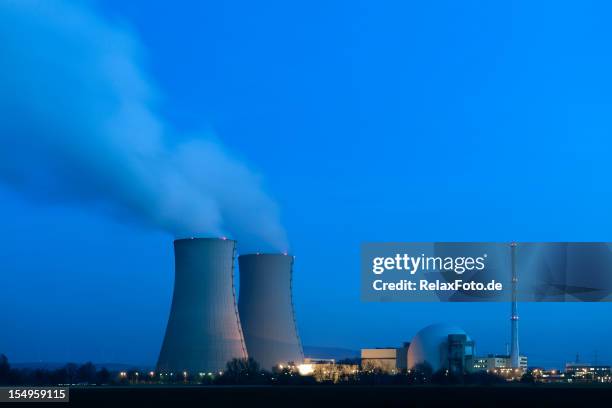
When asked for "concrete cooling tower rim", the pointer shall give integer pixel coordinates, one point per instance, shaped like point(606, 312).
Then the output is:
point(267, 254)
point(203, 239)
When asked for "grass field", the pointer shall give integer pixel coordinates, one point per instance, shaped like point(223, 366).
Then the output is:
point(346, 396)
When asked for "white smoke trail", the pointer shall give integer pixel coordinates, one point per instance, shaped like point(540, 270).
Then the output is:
point(78, 124)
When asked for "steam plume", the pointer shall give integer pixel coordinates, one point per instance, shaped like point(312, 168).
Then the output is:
point(78, 125)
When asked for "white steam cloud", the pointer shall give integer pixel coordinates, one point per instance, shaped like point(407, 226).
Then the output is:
point(77, 125)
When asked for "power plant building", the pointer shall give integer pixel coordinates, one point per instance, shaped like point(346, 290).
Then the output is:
point(266, 309)
point(585, 372)
point(203, 331)
point(389, 360)
point(494, 362)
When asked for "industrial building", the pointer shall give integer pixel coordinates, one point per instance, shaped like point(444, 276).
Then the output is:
point(266, 309)
point(327, 370)
point(495, 362)
point(389, 360)
point(548, 376)
point(586, 372)
point(440, 346)
point(203, 331)
point(383, 359)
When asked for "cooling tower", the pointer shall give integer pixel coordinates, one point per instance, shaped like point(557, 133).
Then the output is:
point(203, 331)
point(266, 309)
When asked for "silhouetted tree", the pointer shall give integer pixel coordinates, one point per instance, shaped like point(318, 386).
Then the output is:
point(374, 375)
point(445, 377)
point(420, 374)
point(528, 378)
point(242, 371)
point(5, 370)
point(86, 373)
point(289, 375)
point(40, 377)
point(67, 374)
point(103, 376)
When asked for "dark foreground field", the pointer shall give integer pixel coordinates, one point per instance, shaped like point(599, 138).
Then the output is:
point(344, 396)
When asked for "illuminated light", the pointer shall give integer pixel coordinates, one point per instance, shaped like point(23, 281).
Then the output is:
point(151, 373)
point(184, 373)
point(305, 369)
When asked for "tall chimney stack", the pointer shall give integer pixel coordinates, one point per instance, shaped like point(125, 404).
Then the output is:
point(514, 342)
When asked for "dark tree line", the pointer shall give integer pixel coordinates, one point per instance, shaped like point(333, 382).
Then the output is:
point(248, 372)
point(237, 372)
point(423, 374)
point(69, 374)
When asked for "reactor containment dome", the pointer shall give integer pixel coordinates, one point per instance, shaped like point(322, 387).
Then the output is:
point(203, 331)
point(434, 345)
point(266, 309)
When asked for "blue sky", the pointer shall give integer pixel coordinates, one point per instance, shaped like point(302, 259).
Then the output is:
point(439, 121)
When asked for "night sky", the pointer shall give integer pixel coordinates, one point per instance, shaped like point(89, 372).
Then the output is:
point(445, 121)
